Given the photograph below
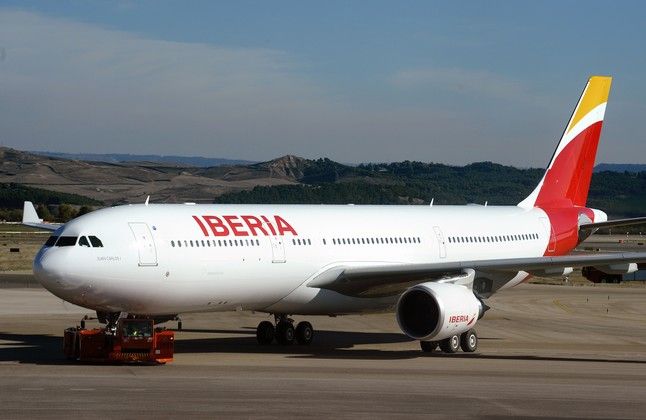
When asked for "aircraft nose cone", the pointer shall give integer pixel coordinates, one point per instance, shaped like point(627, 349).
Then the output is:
point(49, 270)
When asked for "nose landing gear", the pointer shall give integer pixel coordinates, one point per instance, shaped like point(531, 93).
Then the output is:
point(284, 331)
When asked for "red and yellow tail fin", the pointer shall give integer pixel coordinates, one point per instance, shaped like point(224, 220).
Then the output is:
point(567, 179)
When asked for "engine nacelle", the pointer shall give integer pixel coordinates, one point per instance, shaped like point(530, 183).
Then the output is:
point(435, 311)
point(619, 268)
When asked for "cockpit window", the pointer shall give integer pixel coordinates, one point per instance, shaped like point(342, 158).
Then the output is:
point(67, 241)
point(84, 242)
point(51, 240)
point(96, 242)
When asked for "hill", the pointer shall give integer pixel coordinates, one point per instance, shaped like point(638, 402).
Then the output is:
point(198, 161)
point(114, 183)
point(620, 194)
point(620, 167)
point(291, 179)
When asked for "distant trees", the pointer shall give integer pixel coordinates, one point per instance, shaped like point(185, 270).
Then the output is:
point(409, 182)
point(13, 196)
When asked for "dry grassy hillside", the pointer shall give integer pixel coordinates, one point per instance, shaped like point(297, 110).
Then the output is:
point(132, 182)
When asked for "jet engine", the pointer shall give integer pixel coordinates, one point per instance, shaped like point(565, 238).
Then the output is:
point(435, 311)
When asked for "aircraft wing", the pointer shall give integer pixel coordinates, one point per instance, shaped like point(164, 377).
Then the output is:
point(30, 218)
point(391, 279)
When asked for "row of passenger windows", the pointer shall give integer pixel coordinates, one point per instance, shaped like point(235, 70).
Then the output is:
point(207, 243)
point(88, 241)
point(375, 241)
point(495, 238)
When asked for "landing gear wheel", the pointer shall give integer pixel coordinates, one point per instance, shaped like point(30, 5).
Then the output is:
point(285, 333)
point(304, 333)
point(469, 341)
point(265, 332)
point(451, 344)
point(428, 346)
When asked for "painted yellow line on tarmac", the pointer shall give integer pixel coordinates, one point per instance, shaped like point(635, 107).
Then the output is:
point(562, 306)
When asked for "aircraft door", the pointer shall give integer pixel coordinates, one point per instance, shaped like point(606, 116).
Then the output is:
point(440, 241)
point(145, 244)
point(277, 249)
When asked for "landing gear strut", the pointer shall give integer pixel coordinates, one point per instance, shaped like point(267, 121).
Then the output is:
point(284, 331)
point(467, 341)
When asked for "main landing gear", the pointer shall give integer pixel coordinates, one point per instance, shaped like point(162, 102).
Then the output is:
point(468, 341)
point(284, 331)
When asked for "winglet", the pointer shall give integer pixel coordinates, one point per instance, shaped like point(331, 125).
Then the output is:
point(29, 214)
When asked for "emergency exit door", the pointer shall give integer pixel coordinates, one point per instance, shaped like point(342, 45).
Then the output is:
point(440, 241)
point(145, 244)
point(277, 249)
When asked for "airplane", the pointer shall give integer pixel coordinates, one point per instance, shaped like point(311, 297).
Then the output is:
point(433, 265)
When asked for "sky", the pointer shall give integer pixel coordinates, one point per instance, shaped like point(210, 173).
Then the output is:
point(354, 81)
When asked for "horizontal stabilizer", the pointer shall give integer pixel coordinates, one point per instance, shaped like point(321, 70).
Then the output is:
point(614, 223)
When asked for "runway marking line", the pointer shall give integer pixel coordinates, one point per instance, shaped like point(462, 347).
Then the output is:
point(32, 389)
point(83, 389)
point(562, 306)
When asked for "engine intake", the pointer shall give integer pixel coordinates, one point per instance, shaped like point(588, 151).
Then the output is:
point(434, 311)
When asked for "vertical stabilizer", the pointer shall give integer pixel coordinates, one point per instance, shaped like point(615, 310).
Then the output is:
point(29, 214)
point(567, 179)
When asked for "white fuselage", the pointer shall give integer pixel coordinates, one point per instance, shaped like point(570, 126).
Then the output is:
point(167, 259)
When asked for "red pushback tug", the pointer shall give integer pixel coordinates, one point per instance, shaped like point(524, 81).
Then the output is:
point(133, 340)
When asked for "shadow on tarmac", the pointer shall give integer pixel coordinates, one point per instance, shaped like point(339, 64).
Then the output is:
point(32, 348)
point(47, 349)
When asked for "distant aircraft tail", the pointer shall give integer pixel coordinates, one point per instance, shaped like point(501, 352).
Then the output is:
point(30, 218)
point(29, 214)
point(566, 181)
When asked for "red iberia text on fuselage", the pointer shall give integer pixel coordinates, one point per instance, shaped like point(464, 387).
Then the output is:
point(243, 225)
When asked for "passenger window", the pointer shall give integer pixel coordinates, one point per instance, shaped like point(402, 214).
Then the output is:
point(51, 241)
point(84, 242)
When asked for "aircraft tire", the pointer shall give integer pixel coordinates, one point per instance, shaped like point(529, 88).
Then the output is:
point(428, 346)
point(469, 341)
point(304, 333)
point(265, 333)
point(451, 344)
point(285, 333)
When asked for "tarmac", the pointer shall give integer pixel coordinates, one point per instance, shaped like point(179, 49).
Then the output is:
point(545, 351)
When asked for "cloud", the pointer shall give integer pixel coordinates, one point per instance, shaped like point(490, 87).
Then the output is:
point(72, 84)
point(76, 87)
